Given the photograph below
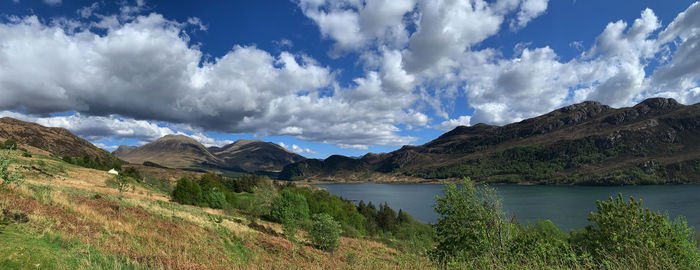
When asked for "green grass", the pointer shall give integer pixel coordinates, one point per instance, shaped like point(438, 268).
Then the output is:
point(23, 250)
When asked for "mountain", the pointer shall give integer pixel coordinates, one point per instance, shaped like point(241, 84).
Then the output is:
point(655, 141)
point(254, 155)
point(172, 151)
point(57, 142)
point(180, 151)
point(124, 150)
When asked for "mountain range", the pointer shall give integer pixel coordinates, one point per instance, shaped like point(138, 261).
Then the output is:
point(655, 141)
point(183, 152)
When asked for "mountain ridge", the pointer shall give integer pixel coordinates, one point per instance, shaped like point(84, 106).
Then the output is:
point(584, 143)
point(54, 141)
point(183, 152)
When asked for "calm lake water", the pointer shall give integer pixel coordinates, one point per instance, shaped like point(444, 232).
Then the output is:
point(566, 206)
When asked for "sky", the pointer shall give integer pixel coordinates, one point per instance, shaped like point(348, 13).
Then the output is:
point(325, 77)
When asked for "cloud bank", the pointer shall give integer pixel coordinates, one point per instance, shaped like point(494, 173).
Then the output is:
point(135, 75)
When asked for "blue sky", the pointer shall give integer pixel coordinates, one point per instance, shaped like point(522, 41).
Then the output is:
point(333, 77)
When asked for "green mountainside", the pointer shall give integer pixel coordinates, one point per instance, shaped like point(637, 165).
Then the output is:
point(655, 141)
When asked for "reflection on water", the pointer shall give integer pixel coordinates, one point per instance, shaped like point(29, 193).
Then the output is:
point(566, 206)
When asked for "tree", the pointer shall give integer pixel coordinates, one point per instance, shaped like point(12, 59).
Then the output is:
point(470, 223)
point(8, 177)
point(386, 218)
point(123, 183)
point(215, 199)
point(10, 144)
point(290, 208)
point(187, 192)
point(325, 232)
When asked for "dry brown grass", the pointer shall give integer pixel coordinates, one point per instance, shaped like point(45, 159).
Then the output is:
point(150, 230)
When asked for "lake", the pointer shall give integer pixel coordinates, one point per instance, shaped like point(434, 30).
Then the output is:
point(566, 206)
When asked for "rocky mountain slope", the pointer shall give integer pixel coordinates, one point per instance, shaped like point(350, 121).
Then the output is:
point(172, 151)
point(57, 142)
point(655, 141)
point(179, 151)
point(254, 155)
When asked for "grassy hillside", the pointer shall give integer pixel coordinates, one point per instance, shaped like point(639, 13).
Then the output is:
point(68, 217)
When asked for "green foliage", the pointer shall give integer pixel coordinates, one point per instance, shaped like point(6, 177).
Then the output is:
point(472, 233)
point(208, 191)
point(290, 209)
point(344, 212)
point(9, 144)
point(542, 244)
point(9, 177)
point(246, 183)
point(132, 172)
point(187, 192)
point(325, 232)
point(215, 199)
point(470, 223)
point(94, 162)
point(626, 232)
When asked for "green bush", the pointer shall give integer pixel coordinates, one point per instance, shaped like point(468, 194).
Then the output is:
point(325, 232)
point(290, 209)
point(626, 233)
point(344, 212)
point(543, 245)
point(8, 176)
point(187, 192)
point(9, 144)
point(215, 199)
point(289, 204)
point(470, 224)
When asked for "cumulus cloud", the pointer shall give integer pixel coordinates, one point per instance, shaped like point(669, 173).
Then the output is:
point(354, 25)
point(682, 73)
point(297, 149)
point(146, 69)
point(450, 124)
point(529, 9)
point(416, 55)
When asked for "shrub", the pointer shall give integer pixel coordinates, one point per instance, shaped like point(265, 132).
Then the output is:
point(187, 192)
point(325, 232)
point(544, 245)
point(9, 177)
point(289, 204)
point(470, 223)
point(215, 199)
point(290, 209)
point(9, 144)
point(626, 233)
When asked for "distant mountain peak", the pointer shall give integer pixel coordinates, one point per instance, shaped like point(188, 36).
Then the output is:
point(184, 152)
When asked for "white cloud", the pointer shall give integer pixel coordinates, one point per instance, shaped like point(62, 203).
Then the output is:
point(354, 25)
point(300, 150)
point(52, 2)
point(529, 9)
point(88, 11)
point(112, 127)
point(450, 124)
point(146, 69)
point(682, 73)
point(108, 148)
